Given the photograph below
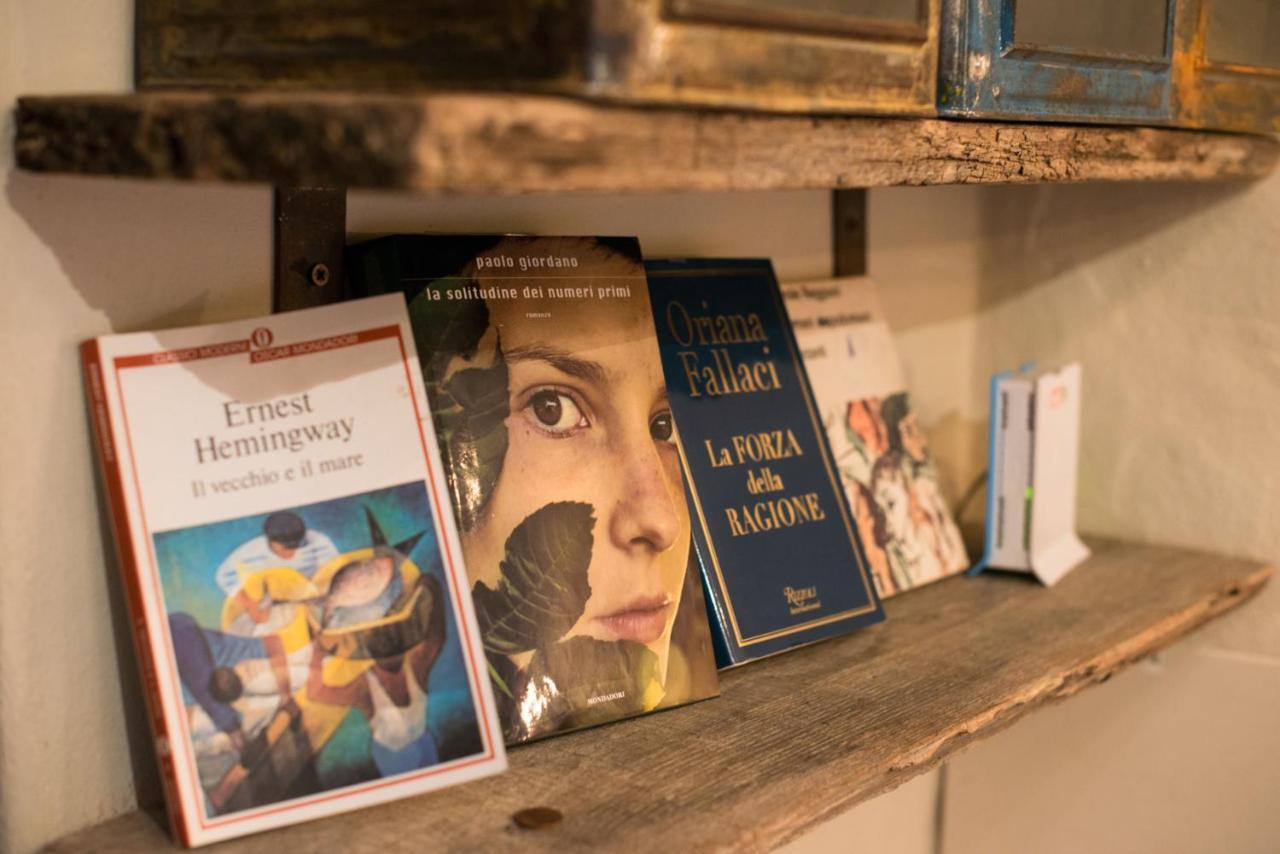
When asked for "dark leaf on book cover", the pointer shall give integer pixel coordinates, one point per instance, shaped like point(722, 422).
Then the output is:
point(543, 590)
point(470, 409)
point(584, 682)
point(528, 505)
point(443, 330)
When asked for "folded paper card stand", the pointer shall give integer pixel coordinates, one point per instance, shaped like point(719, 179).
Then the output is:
point(1031, 473)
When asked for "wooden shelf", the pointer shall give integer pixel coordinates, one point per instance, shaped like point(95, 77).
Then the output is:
point(504, 144)
point(799, 738)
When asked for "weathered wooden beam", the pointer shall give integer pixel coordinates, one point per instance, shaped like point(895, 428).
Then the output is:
point(799, 738)
point(775, 55)
point(505, 144)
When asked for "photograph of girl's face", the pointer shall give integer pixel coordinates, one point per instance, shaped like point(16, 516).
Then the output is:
point(589, 422)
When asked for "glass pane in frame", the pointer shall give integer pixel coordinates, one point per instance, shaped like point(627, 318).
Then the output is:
point(1244, 32)
point(1119, 27)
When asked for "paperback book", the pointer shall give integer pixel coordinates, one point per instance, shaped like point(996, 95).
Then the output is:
point(778, 549)
point(294, 576)
point(546, 390)
point(908, 532)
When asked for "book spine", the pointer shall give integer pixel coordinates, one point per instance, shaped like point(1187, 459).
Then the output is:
point(996, 414)
point(113, 483)
point(725, 654)
point(1029, 493)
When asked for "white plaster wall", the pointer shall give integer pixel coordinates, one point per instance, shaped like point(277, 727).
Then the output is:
point(1170, 296)
point(898, 822)
point(79, 258)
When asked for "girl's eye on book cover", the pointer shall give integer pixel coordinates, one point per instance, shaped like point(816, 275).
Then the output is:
point(549, 400)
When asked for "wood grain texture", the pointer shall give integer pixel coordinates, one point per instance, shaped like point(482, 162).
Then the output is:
point(633, 51)
point(798, 738)
point(356, 44)
point(670, 54)
point(508, 144)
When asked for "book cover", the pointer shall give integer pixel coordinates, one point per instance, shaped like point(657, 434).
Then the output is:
point(778, 548)
point(1055, 427)
point(293, 572)
point(546, 388)
point(908, 532)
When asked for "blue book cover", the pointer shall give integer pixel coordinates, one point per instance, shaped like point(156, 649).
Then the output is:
point(779, 552)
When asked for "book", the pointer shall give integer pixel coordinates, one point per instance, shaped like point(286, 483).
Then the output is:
point(547, 392)
point(294, 577)
point(908, 532)
point(1031, 473)
point(779, 552)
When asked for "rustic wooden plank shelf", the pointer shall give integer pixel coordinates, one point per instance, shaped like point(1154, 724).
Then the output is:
point(505, 144)
point(799, 738)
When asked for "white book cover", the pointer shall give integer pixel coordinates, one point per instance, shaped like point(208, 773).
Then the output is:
point(298, 596)
point(906, 528)
point(1055, 548)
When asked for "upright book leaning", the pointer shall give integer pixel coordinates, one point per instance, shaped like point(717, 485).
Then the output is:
point(546, 388)
point(779, 552)
point(908, 532)
point(292, 568)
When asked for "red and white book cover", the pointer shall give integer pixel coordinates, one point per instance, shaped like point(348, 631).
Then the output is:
point(297, 590)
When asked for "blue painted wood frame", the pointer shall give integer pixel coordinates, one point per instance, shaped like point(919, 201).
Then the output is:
point(985, 73)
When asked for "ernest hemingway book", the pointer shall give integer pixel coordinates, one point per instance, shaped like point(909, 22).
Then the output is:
point(292, 567)
point(908, 532)
point(779, 552)
point(546, 388)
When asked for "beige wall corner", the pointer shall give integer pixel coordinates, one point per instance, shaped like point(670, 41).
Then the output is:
point(898, 822)
point(1174, 756)
point(1167, 294)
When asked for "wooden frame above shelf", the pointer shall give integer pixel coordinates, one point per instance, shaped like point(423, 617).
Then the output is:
point(799, 738)
point(507, 144)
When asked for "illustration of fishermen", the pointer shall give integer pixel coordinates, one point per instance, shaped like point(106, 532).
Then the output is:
point(206, 661)
point(285, 541)
point(391, 694)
